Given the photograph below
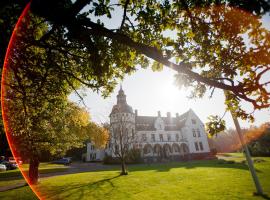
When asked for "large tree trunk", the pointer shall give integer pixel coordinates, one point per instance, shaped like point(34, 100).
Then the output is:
point(123, 166)
point(33, 170)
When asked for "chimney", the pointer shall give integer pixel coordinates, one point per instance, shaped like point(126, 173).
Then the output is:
point(159, 115)
point(136, 112)
point(177, 115)
point(169, 115)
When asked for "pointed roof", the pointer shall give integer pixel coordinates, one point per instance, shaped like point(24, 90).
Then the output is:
point(121, 106)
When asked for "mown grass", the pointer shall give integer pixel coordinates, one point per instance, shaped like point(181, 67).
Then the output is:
point(190, 180)
point(15, 177)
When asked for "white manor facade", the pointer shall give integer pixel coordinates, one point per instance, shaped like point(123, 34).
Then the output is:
point(158, 138)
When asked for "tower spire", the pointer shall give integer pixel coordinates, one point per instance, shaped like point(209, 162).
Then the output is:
point(121, 97)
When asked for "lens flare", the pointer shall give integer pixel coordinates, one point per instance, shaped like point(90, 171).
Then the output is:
point(234, 16)
point(3, 102)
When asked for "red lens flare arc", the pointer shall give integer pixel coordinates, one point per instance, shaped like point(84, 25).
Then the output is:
point(3, 92)
point(4, 115)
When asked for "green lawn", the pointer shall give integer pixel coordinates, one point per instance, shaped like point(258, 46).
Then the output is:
point(190, 180)
point(14, 176)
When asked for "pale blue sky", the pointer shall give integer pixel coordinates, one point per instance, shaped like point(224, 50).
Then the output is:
point(150, 92)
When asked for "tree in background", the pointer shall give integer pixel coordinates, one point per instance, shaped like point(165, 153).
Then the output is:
point(121, 139)
point(257, 139)
point(38, 115)
point(100, 135)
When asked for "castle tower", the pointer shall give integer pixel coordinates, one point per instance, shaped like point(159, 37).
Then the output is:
point(122, 121)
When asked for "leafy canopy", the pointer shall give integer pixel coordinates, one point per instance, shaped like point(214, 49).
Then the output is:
point(210, 44)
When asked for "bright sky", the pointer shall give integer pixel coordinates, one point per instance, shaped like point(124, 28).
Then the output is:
point(149, 92)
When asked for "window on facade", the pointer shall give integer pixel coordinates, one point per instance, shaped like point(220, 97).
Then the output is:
point(176, 149)
point(153, 137)
point(194, 132)
point(201, 146)
point(144, 137)
point(198, 133)
point(196, 146)
point(161, 137)
point(169, 137)
point(176, 137)
point(193, 121)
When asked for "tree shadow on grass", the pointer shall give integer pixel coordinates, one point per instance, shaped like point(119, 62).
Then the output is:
point(81, 189)
point(165, 167)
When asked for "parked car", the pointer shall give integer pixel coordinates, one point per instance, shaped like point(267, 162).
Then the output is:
point(3, 168)
point(9, 165)
point(12, 160)
point(64, 161)
point(69, 158)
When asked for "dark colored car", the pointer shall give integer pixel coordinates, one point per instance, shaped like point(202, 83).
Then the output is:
point(64, 161)
point(9, 165)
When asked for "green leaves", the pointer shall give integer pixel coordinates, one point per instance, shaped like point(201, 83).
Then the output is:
point(156, 66)
point(214, 125)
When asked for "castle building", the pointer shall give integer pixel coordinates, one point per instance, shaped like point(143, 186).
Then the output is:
point(158, 138)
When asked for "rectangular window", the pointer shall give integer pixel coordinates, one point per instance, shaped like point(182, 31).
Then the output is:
point(169, 137)
point(144, 137)
point(198, 133)
point(161, 137)
point(196, 146)
point(193, 121)
point(153, 138)
point(176, 137)
point(193, 132)
point(201, 146)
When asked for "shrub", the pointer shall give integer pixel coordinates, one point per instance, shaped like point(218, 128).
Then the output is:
point(133, 157)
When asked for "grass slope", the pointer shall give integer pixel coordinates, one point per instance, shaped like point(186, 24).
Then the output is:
point(191, 180)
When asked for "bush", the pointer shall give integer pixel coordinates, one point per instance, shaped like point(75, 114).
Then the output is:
point(222, 161)
point(213, 151)
point(110, 160)
point(133, 157)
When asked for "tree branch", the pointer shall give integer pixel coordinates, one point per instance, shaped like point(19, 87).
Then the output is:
point(124, 15)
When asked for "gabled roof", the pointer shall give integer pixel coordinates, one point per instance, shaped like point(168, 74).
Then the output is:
point(171, 124)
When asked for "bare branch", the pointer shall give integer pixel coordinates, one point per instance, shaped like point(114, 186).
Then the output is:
point(124, 14)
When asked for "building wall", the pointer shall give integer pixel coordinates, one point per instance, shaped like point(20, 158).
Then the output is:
point(143, 139)
point(94, 154)
point(121, 122)
point(198, 136)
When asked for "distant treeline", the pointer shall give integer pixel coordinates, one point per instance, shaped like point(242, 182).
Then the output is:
point(258, 139)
